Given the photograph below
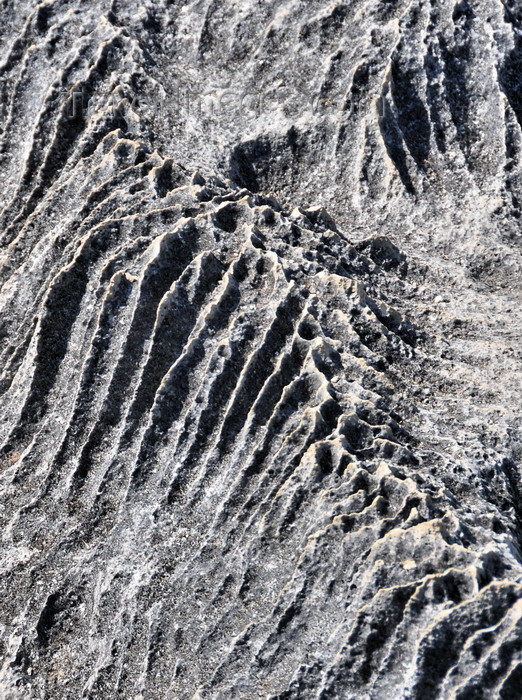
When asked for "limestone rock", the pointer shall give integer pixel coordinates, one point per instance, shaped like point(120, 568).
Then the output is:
point(260, 373)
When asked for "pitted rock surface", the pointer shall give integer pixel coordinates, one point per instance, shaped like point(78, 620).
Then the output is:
point(260, 368)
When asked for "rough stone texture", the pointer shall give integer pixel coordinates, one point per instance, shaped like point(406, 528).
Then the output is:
point(249, 448)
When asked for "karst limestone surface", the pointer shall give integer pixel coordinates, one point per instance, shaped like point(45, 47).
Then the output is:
point(260, 358)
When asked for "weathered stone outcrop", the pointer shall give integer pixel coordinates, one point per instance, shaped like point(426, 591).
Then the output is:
point(259, 350)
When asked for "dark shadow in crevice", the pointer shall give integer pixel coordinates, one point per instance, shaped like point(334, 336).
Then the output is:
point(393, 140)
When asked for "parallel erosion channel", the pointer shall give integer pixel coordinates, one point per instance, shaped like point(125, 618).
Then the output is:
point(260, 358)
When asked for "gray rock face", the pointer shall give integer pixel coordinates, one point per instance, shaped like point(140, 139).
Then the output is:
point(249, 448)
